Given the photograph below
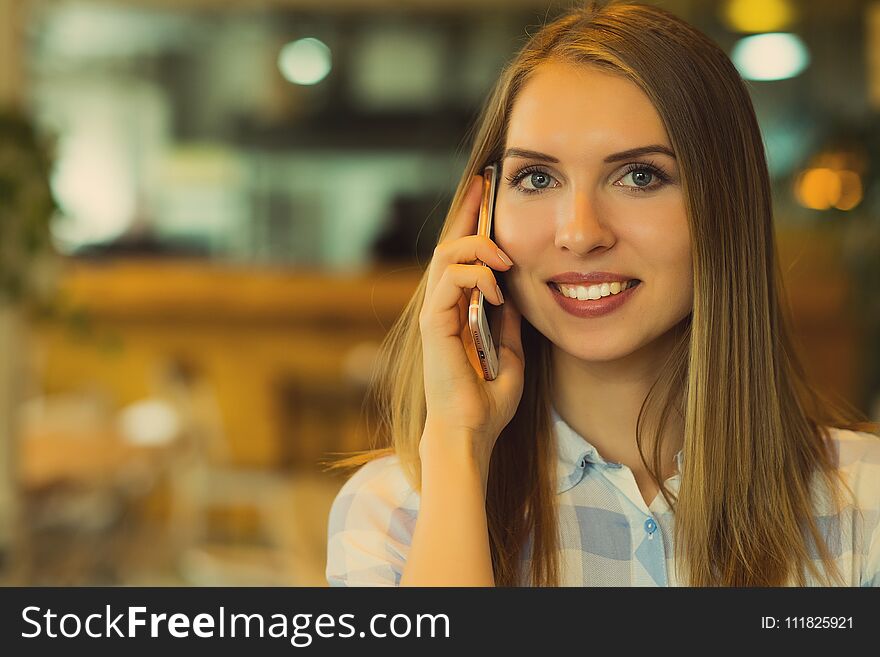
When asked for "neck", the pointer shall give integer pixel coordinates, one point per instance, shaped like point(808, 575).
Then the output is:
point(601, 402)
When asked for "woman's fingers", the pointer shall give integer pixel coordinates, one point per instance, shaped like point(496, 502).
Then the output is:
point(465, 222)
point(467, 249)
point(441, 309)
point(461, 244)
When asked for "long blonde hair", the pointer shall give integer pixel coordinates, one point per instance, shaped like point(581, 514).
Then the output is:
point(755, 432)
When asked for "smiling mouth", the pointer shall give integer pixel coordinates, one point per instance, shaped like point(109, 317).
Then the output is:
point(592, 292)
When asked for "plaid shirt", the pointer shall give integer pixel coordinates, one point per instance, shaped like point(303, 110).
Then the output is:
point(608, 535)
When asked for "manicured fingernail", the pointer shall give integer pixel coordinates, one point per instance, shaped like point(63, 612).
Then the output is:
point(503, 256)
point(500, 296)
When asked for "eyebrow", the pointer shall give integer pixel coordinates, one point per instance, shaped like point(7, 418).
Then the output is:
point(614, 157)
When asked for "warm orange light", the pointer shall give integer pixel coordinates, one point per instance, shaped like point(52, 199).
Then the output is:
point(818, 189)
point(850, 190)
point(822, 188)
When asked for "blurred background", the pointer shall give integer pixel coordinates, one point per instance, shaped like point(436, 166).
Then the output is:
point(212, 211)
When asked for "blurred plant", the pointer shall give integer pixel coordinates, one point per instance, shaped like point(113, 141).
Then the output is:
point(26, 209)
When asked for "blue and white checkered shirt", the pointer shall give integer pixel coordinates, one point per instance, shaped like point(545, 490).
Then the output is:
point(608, 535)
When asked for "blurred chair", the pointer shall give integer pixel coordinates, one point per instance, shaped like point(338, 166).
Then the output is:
point(233, 525)
point(82, 483)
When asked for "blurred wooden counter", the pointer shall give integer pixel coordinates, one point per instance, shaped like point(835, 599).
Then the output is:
point(283, 350)
point(151, 290)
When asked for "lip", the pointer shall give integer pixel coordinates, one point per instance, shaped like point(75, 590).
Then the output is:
point(579, 278)
point(593, 308)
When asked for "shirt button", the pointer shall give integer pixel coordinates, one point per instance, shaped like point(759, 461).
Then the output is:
point(583, 463)
point(650, 525)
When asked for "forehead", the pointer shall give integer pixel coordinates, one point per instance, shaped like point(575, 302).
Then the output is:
point(563, 107)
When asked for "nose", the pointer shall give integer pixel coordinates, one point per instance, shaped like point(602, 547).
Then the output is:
point(582, 228)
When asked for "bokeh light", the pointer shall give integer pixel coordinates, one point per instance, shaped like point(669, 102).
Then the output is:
point(774, 56)
point(305, 61)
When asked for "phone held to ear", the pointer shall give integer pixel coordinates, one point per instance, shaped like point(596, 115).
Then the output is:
point(485, 321)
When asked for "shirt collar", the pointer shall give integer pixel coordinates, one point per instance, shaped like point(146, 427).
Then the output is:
point(574, 452)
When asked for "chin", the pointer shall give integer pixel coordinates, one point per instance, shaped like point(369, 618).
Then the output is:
point(604, 356)
point(599, 353)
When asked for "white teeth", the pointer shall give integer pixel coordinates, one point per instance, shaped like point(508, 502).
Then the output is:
point(593, 291)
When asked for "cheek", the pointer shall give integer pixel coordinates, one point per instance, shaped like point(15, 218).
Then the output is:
point(667, 246)
point(517, 232)
point(512, 241)
point(665, 240)
point(520, 230)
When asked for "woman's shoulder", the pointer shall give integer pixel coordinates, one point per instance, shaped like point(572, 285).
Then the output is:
point(858, 459)
point(382, 481)
point(855, 449)
point(377, 498)
point(370, 526)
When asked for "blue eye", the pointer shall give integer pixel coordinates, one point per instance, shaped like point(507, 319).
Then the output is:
point(642, 175)
point(539, 180)
point(537, 177)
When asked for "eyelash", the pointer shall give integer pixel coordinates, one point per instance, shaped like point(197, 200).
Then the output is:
point(514, 178)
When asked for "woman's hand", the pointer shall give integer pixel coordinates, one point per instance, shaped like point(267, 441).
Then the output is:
point(459, 401)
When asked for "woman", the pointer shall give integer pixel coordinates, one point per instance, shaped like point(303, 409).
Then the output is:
point(670, 440)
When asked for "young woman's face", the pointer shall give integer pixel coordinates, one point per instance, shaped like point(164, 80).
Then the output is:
point(573, 205)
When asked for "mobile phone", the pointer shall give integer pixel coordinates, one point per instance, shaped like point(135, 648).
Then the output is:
point(485, 321)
